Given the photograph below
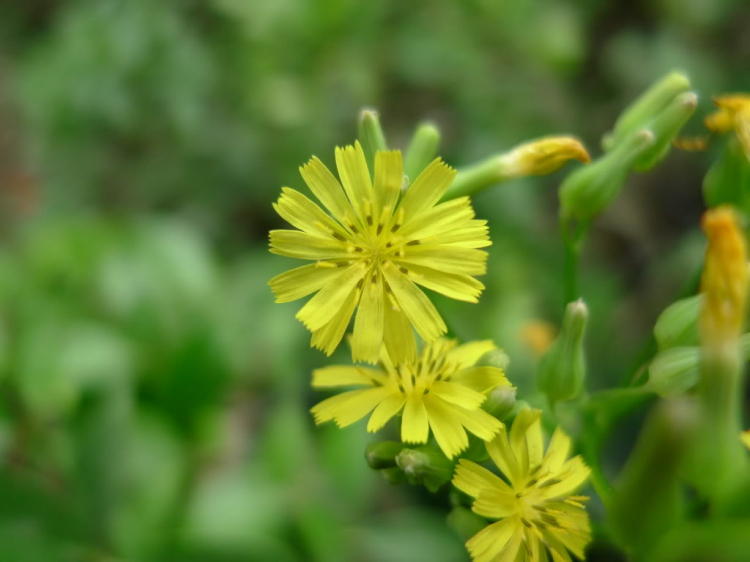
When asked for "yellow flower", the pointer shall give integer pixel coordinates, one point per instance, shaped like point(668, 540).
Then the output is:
point(745, 438)
point(373, 248)
point(733, 115)
point(441, 391)
point(724, 280)
point(535, 511)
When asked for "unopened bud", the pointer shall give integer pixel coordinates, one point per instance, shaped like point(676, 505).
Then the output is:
point(539, 157)
point(371, 136)
point(394, 476)
point(588, 191)
point(422, 150)
point(425, 465)
point(500, 401)
point(678, 324)
point(563, 369)
point(382, 454)
point(542, 156)
point(665, 127)
point(642, 111)
point(538, 336)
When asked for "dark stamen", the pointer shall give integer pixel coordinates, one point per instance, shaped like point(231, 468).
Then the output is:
point(413, 243)
point(403, 270)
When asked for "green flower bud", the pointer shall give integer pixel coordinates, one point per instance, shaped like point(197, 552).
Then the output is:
point(728, 179)
point(371, 136)
point(589, 190)
point(465, 522)
point(422, 150)
point(674, 371)
point(382, 454)
point(563, 369)
point(500, 401)
point(425, 465)
point(678, 324)
point(665, 127)
point(645, 108)
point(648, 501)
point(494, 358)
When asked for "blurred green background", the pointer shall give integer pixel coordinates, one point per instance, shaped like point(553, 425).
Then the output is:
point(154, 400)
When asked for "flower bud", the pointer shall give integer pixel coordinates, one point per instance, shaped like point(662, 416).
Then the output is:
point(588, 191)
point(500, 401)
point(645, 108)
point(371, 136)
point(542, 156)
point(535, 158)
point(665, 127)
point(422, 150)
point(394, 476)
point(425, 465)
point(648, 498)
point(678, 324)
point(382, 454)
point(563, 369)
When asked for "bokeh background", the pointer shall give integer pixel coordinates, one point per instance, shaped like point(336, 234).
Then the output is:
point(153, 399)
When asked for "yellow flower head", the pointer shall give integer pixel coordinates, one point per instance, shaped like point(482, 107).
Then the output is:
point(441, 391)
point(733, 115)
point(535, 511)
point(724, 280)
point(543, 156)
point(373, 249)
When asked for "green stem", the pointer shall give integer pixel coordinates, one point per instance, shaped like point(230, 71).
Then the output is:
point(573, 242)
point(477, 177)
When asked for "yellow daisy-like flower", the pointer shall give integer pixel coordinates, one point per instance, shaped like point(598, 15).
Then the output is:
point(373, 249)
point(441, 390)
point(537, 516)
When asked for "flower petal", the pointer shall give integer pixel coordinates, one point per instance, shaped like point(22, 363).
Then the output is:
point(344, 375)
point(458, 394)
point(557, 451)
point(355, 177)
point(328, 302)
point(503, 457)
point(414, 424)
point(329, 336)
point(427, 189)
point(385, 411)
point(521, 433)
point(368, 326)
point(478, 422)
point(357, 407)
point(444, 257)
point(488, 542)
point(471, 478)
point(398, 335)
point(449, 433)
point(302, 213)
point(455, 286)
point(306, 246)
point(301, 281)
point(480, 379)
point(326, 188)
point(389, 175)
point(326, 410)
point(469, 353)
point(494, 503)
point(415, 304)
point(571, 475)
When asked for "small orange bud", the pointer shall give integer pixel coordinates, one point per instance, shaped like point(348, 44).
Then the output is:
point(544, 156)
point(538, 336)
point(724, 280)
